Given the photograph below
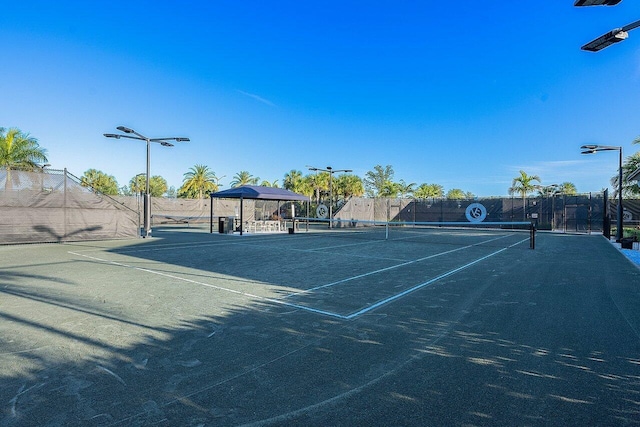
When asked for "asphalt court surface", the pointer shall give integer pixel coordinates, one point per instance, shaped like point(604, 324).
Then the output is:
point(332, 273)
point(191, 328)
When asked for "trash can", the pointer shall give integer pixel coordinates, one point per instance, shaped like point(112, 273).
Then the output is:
point(221, 224)
point(627, 242)
point(291, 231)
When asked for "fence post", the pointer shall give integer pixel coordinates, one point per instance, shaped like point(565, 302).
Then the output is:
point(64, 207)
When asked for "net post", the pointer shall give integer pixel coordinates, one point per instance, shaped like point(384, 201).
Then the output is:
point(532, 236)
point(386, 231)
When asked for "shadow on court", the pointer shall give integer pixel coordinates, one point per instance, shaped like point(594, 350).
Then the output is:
point(144, 333)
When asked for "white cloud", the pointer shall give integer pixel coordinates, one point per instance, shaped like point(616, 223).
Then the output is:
point(558, 170)
point(257, 98)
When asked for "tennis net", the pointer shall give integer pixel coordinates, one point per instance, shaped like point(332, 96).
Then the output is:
point(456, 233)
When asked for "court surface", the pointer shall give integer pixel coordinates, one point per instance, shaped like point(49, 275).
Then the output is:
point(196, 329)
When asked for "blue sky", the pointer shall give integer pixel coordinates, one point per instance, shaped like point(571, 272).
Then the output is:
point(463, 94)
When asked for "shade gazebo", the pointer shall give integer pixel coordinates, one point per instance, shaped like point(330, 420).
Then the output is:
point(256, 192)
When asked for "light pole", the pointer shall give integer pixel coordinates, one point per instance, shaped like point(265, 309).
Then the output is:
point(331, 171)
point(218, 180)
point(161, 141)
point(592, 149)
point(46, 165)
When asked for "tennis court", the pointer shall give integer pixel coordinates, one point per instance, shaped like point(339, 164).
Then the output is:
point(326, 327)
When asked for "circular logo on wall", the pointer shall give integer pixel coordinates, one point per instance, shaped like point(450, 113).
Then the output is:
point(627, 215)
point(476, 212)
point(322, 211)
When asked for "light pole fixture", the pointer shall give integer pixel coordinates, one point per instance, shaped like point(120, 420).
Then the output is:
point(592, 149)
point(162, 141)
point(614, 36)
point(596, 2)
point(331, 171)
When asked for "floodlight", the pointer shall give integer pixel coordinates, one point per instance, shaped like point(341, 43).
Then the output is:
point(125, 129)
point(112, 135)
point(596, 2)
point(613, 36)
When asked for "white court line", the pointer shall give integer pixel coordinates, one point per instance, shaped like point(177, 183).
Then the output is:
point(301, 307)
point(195, 282)
point(360, 276)
point(427, 283)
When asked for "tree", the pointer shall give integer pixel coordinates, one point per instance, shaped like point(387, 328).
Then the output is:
point(293, 181)
point(523, 184)
point(568, 188)
point(548, 190)
point(389, 189)
point(19, 151)
point(429, 191)
point(406, 190)
point(198, 182)
point(348, 185)
point(273, 184)
point(137, 184)
point(458, 194)
point(99, 181)
point(244, 178)
point(630, 165)
point(378, 180)
point(157, 185)
point(318, 183)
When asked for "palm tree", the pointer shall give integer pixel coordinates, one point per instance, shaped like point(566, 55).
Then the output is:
point(429, 191)
point(348, 185)
point(406, 190)
point(568, 188)
point(548, 190)
point(318, 183)
point(389, 189)
point(293, 181)
point(273, 184)
point(457, 194)
point(19, 151)
point(523, 185)
point(379, 180)
point(198, 182)
point(630, 165)
point(244, 178)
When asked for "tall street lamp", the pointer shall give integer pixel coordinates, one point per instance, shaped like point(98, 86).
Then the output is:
point(162, 141)
point(592, 149)
point(331, 171)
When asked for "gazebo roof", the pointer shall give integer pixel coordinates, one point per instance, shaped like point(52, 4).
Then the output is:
point(259, 192)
